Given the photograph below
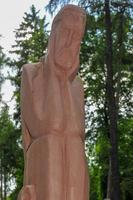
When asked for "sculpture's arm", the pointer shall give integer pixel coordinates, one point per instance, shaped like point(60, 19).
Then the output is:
point(24, 95)
point(81, 103)
point(26, 138)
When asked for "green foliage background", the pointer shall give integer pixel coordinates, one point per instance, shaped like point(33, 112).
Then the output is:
point(31, 44)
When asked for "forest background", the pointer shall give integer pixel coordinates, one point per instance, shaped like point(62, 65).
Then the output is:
point(106, 60)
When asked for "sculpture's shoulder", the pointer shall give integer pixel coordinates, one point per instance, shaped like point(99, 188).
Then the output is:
point(79, 82)
point(78, 86)
point(29, 69)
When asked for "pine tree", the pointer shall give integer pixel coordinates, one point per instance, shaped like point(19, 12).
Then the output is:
point(31, 44)
point(8, 151)
point(3, 61)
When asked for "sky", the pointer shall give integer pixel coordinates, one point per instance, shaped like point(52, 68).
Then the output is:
point(11, 15)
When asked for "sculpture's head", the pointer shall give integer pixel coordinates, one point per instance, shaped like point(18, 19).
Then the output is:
point(66, 35)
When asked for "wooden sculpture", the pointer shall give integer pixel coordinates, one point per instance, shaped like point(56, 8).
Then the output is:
point(52, 114)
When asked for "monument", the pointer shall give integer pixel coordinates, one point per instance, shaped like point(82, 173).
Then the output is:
point(52, 116)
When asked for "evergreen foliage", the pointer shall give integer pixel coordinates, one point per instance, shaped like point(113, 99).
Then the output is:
point(31, 44)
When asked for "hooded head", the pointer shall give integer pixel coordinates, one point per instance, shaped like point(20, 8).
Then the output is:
point(60, 67)
point(65, 38)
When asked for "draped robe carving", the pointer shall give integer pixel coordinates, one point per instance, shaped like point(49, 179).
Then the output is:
point(52, 116)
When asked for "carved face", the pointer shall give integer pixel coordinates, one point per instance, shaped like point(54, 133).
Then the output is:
point(68, 30)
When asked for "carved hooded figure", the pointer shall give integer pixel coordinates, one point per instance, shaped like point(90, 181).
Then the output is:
point(52, 114)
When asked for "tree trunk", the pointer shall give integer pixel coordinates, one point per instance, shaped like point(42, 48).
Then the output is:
point(114, 185)
point(5, 184)
point(120, 54)
point(1, 181)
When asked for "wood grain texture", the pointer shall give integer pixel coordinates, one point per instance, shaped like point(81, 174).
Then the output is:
point(52, 114)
